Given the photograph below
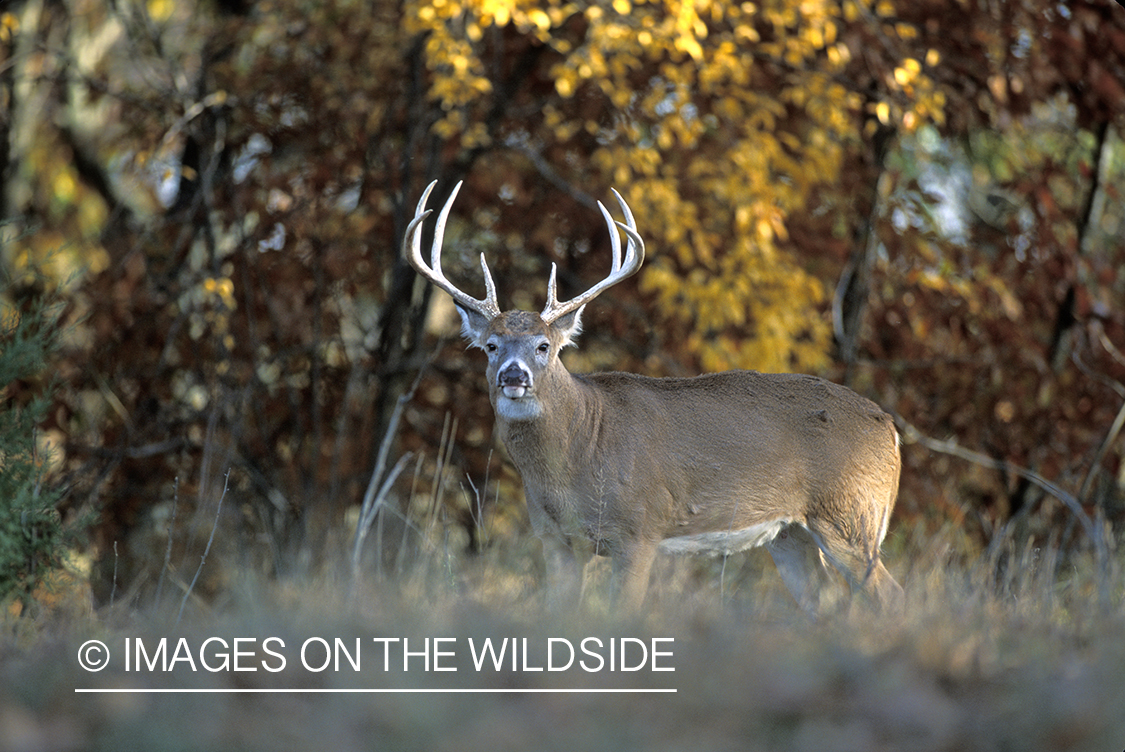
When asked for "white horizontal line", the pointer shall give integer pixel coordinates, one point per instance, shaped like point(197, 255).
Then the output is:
point(368, 690)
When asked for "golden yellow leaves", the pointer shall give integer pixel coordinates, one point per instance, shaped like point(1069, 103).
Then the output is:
point(689, 29)
point(219, 289)
point(71, 245)
point(9, 25)
point(726, 66)
point(454, 30)
point(717, 223)
point(458, 81)
point(922, 102)
point(712, 148)
point(769, 295)
point(470, 18)
point(210, 305)
point(160, 10)
point(907, 73)
point(883, 112)
point(713, 174)
point(459, 77)
point(800, 32)
point(928, 103)
point(565, 85)
point(617, 44)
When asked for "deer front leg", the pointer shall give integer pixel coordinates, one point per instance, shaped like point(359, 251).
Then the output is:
point(566, 572)
point(631, 569)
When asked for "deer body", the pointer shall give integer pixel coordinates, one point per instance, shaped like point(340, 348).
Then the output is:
point(623, 465)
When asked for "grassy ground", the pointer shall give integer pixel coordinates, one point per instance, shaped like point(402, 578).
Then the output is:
point(1011, 649)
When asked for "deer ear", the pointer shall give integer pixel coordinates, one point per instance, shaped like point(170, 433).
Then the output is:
point(569, 326)
point(473, 326)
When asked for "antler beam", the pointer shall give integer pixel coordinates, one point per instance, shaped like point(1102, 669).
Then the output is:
point(412, 247)
point(634, 256)
point(489, 306)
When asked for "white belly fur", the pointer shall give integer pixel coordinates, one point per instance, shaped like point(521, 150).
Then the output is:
point(722, 542)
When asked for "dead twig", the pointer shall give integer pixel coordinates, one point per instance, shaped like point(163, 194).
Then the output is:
point(207, 549)
point(372, 499)
point(911, 435)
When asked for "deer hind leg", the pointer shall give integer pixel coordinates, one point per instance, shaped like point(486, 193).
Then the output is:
point(801, 566)
point(857, 559)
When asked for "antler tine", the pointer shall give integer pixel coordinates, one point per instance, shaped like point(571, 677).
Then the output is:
point(621, 269)
point(412, 247)
point(614, 239)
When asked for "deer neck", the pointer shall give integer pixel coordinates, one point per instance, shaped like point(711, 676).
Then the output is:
point(544, 441)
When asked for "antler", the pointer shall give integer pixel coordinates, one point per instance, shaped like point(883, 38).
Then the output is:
point(412, 247)
point(634, 255)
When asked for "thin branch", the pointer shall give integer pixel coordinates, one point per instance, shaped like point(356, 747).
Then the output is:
point(203, 558)
point(912, 435)
point(168, 548)
point(372, 501)
point(1092, 208)
point(113, 590)
point(551, 175)
point(1103, 448)
point(1118, 421)
point(1095, 529)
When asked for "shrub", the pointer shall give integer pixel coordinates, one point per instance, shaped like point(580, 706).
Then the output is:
point(32, 536)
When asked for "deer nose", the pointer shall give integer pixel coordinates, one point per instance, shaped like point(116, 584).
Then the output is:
point(514, 381)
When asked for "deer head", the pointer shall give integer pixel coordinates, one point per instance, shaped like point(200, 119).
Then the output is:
point(522, 347)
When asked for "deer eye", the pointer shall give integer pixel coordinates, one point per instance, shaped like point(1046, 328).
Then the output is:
point(490, 347)
point(544, 348)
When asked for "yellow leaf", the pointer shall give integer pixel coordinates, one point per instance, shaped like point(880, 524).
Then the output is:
point(883, 112)
point(906, 31)
point(765, 230)
point(564, 85)
point(9, 25)
point(64, 186)
point(539, 19)
point(160, 10)
point(500, 14)
point(691, 46)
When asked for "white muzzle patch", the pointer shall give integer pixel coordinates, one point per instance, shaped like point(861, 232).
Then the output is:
point(514, 379)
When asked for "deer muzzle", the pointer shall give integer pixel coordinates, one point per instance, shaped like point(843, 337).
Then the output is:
point(514, 381)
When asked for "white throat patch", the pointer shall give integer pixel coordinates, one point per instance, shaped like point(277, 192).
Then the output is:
point(523, 408)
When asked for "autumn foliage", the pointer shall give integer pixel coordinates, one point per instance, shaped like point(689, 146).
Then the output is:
point(921, 200)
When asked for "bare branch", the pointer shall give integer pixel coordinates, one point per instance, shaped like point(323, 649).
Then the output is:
point(911, 435)
point(207, 549)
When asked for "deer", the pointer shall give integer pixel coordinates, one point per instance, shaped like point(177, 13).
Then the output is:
point(625, 465)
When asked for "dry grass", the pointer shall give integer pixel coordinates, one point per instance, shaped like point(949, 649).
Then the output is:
point(1010, 648)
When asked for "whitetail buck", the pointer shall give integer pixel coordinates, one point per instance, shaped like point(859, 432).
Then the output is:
point(623, 465)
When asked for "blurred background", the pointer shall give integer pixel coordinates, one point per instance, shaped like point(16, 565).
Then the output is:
point(203, 205)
